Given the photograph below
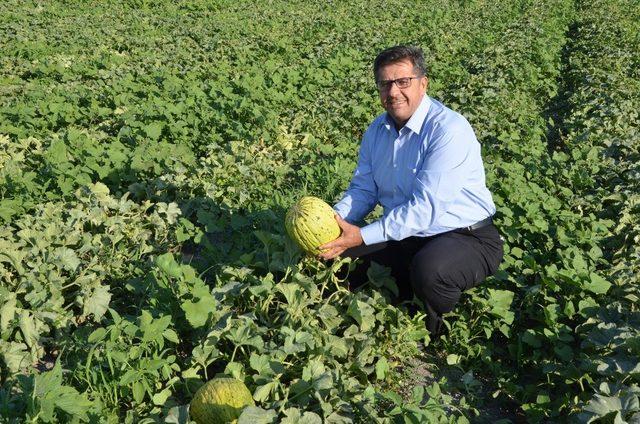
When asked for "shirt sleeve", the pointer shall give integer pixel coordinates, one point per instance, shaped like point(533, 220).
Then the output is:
point(362, 194)
point(437, 184)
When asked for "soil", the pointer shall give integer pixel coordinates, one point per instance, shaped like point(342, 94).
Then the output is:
point(429, 368)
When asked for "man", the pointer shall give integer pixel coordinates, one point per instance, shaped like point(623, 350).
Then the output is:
point(421, 161)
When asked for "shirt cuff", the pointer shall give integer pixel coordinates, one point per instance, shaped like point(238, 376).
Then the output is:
point(340, 209)
point(373, 233)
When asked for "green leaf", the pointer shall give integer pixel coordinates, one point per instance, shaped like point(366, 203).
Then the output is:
point(551, 313)
point(160, 398)
point(382, 368)
point(100, 190)
point(209, 220)
point(168, 265)
point(97, 335)
point(500, 302)
point(294, 416)
point(585, 305)
point(15, 356)
point(171, 211)
point(171, 335)
point(543, 398)
point(579, 264)
point(313, 369)
point(67, 258)
point(262, 393)
point(265, 365)
point(256, 415)
point(12, 256)
point(28, 328)
point(57, 152)
point(417, 394)
point(48, 381)
point(597, 284)
point(419, 334)
point(564, 352)
point(154, 130)
point(235, 370)
point(569, 309)
point(602, 405)
point(70, 401)
point(138, 391)
point(517, 252)
point(453, 359)
point(178, 415)
point(380, 276)
point(198, 313)
point(363, 313)
point(7, 315)
point(97, 302)
point(293, 293)
point(323, 382)
point(51, 394)
point(529, 337)
point(393, 397)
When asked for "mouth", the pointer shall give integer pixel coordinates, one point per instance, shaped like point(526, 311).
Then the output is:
point(394, 103)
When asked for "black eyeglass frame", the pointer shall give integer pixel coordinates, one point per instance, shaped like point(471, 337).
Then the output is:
point(401, 83)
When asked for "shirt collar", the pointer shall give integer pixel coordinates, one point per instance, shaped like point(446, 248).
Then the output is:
point(417, 119)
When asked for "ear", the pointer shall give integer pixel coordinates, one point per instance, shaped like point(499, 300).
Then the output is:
point(425, 83)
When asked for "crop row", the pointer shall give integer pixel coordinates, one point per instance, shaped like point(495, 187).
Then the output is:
point(601, 137)
point(550, 276)
point(576, 174)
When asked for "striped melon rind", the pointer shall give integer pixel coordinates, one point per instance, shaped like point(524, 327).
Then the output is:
point(311, 223)
point(220, 400)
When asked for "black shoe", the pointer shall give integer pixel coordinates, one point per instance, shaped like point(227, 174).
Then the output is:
point(434, 323)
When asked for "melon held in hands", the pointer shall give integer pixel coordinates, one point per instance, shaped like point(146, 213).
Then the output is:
point(311, 223)
point(220, 400)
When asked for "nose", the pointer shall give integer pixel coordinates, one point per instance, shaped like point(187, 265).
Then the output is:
point(393, 90)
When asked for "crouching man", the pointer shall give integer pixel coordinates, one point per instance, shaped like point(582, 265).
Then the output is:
point(421, 162)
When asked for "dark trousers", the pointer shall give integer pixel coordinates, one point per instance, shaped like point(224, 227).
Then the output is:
point(436, 269)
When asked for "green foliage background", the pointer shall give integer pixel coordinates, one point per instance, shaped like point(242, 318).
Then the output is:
point(149, 149)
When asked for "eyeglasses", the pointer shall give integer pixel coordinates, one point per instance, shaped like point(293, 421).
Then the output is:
point(405, 82)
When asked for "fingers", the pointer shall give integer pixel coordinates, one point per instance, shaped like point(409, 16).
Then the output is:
point(332, 253)
point(333, 248)
point(331, 245)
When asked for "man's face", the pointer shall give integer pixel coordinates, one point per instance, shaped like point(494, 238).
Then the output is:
point(400, 103)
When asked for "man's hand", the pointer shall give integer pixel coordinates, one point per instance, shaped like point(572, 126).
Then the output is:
point(350, 237)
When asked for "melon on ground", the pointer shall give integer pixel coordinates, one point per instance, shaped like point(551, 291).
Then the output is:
point(220, 401)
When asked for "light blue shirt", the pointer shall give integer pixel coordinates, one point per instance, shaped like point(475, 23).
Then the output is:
point(428, 177)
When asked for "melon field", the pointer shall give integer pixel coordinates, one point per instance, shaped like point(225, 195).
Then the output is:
point(149, 151)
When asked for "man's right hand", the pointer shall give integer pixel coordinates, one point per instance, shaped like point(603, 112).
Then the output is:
point(350, 237)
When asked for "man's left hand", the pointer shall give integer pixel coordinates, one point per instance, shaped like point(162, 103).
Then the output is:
point(350, 237)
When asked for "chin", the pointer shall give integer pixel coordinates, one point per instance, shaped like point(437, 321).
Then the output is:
point(399, 118)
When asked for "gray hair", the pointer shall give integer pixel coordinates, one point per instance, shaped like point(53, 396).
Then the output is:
point(398, 53)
